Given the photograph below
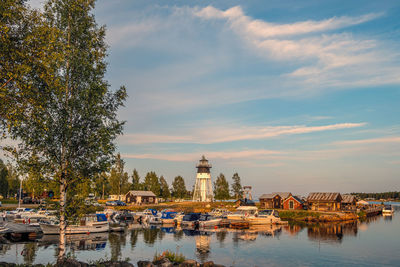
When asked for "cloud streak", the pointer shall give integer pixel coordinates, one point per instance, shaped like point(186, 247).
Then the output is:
point(211, 135)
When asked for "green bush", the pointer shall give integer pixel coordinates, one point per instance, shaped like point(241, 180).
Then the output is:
point(173, 257)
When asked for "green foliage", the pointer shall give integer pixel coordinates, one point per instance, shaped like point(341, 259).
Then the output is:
point(151, 183)
point(3, 179)
point(179, 187)
point(236, 186)
point(136, 185)
point(173, 257)
point(164, 192)
point(119, 180)
point(12, 180)
point(221, 188)
point(102, 186)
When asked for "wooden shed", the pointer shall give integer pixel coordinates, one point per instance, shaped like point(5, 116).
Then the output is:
point(349, 202)
point(271, 201)
point(324, 201)
point(141, 197)
point(293, 203)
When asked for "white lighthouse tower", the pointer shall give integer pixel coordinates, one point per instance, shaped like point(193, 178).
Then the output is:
point(203, 188)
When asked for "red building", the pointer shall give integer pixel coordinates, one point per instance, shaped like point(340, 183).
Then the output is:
point(293, 203)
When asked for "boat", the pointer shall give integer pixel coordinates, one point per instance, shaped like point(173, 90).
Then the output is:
point(219, 212)
point(387, 210)
point(241, 212)
point(190, 220)
point(208, 220)
point(146, 215)
point(168, 217)
point(264, 217)
point(96, 223)
point(178, 218)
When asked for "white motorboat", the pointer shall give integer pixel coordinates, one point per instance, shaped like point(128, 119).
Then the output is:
point(90, 224)
point(264, 217)
point(241, 212)
point(388, 210)
point(208, 220)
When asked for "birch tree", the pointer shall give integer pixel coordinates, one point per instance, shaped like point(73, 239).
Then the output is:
point(65, 113)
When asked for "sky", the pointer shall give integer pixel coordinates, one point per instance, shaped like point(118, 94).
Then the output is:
point(296, 96)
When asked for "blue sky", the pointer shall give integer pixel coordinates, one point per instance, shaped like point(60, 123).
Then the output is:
point(295, 96)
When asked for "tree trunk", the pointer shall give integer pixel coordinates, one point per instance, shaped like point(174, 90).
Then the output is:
point(63, 222)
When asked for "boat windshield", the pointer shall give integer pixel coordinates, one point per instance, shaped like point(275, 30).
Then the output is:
point(204, 217)
point(388, 207)
point(266, 212)
point(245, 212)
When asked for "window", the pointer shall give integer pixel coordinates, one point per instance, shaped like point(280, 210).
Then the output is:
point(291, 204)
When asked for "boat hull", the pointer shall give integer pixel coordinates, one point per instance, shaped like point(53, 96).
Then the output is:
point(54, 229)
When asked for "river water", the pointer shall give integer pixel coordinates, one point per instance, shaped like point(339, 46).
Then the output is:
point(374, 242)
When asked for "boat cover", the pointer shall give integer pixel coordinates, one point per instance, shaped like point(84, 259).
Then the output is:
point(168, 215)
point(101, 217)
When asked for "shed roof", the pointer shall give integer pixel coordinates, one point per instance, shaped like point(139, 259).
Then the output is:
point(268, 196)
point(348, 198)
point(324, 196)
point(141, 193)
point(283, 195)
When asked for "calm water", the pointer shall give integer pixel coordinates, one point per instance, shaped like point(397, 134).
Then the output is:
point(375, 242)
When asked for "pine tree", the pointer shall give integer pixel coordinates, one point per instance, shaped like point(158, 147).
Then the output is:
point(165, 193)
point(136, 185)
point(221, 188)
point(151, 183)
point(237, 189)
point(179, 187)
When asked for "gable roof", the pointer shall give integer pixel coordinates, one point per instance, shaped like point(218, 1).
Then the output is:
point(295, 198)
point(348, 199)
point(283, 195)
point(141, 193)
point(324, 196)
point(268, 196)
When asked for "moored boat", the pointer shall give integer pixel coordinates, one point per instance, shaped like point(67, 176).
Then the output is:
point(168, 217)
point(90, 224)
point(190, 220)
point(387, 209)
point(264, 217)
point(207, 220)
point(241, 212)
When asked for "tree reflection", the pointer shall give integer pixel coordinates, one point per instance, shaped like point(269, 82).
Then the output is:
point(134, 238)
point(150, 235)
point(29, 253)
point(178, 234)
point(221, 235)
point(116, 241)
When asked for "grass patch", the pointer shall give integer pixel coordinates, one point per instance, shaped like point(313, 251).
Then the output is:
point(298, 215)
point(173, 257)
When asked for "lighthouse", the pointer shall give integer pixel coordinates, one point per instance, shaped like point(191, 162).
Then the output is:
point(203, 188)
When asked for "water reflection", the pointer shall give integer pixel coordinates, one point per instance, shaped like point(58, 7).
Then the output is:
point(138, 240)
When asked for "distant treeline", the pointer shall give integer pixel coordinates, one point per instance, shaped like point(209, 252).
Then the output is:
point(383, 195)
point(115, 181)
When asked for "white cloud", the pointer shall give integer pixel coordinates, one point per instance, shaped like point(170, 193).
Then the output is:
point(326, 59)
point(262, 29)
point(225, 155)
point(380, 140)
point(218, 134)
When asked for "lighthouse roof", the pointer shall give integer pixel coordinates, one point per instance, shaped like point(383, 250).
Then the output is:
point(203, 163)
